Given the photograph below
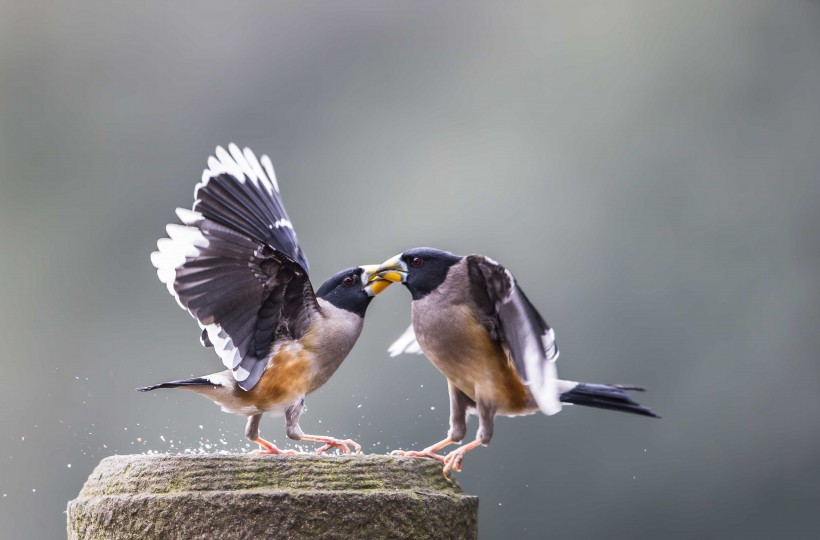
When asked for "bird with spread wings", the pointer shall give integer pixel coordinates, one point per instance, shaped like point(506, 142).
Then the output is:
point(235, 265)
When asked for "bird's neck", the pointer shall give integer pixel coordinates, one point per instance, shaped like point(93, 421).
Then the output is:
point(331, 341)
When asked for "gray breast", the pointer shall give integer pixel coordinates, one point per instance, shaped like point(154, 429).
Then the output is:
point(330, 340)
point(440, 318)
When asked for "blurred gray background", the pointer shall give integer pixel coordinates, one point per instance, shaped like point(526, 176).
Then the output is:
point(650, 171)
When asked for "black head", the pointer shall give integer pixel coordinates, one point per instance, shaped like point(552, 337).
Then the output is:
point(420, 269)
point(348, 290)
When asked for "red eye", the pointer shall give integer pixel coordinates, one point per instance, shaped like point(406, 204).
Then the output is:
point(416, 261)
point(348, 281)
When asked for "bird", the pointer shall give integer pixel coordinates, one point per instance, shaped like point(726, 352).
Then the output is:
point(235, 264)
point(472, 320)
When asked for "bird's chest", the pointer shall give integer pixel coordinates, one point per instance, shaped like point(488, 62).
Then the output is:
point(463, 351)
point(456, 344)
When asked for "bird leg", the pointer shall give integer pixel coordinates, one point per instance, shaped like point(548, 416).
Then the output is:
point(459, 404)
point(486, 416)
point(294, 431)
point(267, 447)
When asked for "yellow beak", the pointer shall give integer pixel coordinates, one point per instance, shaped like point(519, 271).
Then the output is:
point(373, 284)
point(393, 269)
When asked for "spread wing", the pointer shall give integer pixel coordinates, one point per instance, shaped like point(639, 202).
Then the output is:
point(235, 265)
point(516, 324)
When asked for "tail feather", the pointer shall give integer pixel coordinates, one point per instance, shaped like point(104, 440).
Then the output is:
point(605, 396)
point(196, 381)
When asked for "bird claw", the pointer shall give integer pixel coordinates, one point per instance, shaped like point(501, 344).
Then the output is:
point(274, 452)
point(268, 448)
point(453, 461)
point(418, 454)
point(341, 445)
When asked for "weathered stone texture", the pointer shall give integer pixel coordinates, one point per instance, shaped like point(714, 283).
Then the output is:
point(230, 497)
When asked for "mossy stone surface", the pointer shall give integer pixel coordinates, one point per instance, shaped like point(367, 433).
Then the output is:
point(247, 496)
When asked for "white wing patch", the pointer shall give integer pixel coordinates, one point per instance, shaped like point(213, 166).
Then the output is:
point(271, 174)
point(543, 376)
point(550, 346)
point(405, 344)
point(185, 242)
point(241, 164)
point(282, 223)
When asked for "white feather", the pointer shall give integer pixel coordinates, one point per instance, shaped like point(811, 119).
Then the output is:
point(542, 375)
point(188, 217)
point(171, 255)
point(407, 343)
point(185, 241)
point(243, 165)
point(250, 157)
point(187, 236)
point(229, 165)
point(282, 223)
point(565, 386)
point(271, 174)
point(550, 347)
point(220, 379)
point(240, 373)
point(215, 167)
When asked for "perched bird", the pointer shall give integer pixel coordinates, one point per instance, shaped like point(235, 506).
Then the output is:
point(477, 327)
point(235, 265)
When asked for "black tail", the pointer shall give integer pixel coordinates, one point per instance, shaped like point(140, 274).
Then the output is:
point(604, 396)
point(196, 381)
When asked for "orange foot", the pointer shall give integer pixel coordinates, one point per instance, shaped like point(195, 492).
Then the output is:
point(453, 460)
point(429, 452)
point(426, 453)
point(332, 442)
point(267, 447)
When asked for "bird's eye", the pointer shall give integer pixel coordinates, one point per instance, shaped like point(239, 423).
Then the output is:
point(348, 281)
point(416, 261)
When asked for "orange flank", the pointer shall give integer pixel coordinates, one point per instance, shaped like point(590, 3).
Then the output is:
point(484, 371)
point(288, 377)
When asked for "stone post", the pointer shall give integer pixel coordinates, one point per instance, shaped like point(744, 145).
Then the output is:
point(228, 497)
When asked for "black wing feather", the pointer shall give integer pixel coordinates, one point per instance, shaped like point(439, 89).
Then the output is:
point(251, 206)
